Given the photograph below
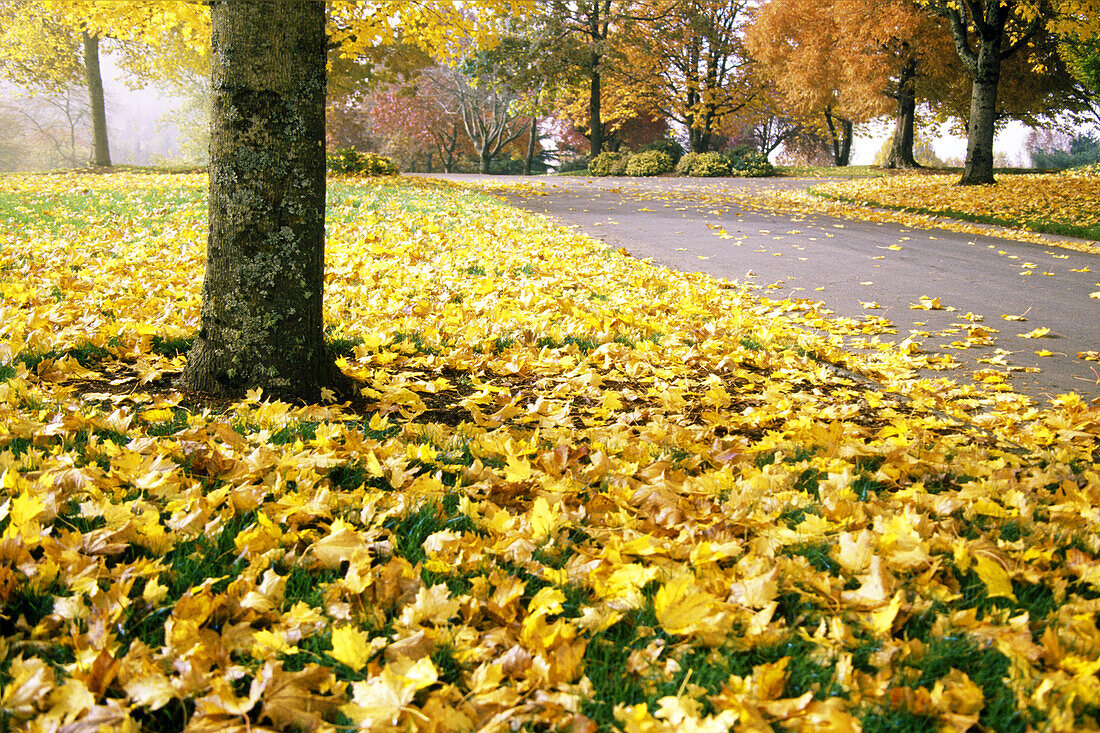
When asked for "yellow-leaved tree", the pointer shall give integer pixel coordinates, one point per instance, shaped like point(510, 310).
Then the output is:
point(49, 46)
point(693, 67)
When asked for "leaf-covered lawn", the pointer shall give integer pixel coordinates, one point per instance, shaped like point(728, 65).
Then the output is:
point(1055, 203)
point(585, 493)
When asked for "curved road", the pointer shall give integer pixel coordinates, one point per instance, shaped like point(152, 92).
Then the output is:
point(715, 226)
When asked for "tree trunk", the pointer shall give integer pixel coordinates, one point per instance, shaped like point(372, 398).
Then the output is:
point(595, 123)
point(841, 138)
point(261, 321)
point(101, 151)
point(486, 160)
point(901, 150)
point(983, 116)
point(532, 138)
point(698, 140)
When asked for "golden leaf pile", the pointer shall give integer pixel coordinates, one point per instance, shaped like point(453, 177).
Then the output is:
point(588, 493)
point(1024, 199)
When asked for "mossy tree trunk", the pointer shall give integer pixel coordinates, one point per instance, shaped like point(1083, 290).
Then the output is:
point(101, 151)
point(261, 322)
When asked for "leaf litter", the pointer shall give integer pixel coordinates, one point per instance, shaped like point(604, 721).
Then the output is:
point(584, 493)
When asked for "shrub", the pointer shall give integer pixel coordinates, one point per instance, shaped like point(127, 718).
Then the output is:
point(649, 163)
point(350, 161)
point(671, 148)
point(618, 168)
point(683, 166)
point(604, 163)
point(709, 165)
point(751, 164)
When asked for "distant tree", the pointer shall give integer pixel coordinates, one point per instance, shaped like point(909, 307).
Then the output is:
point(923, 153)
point(588, 45)
point(851, 60)
point(801, 48)
point(694, 67)
point(44, 131)
point(45, 52)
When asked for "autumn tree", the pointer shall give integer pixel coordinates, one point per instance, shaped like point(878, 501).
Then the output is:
point(694, 67)
point(524, 60)
point(261, 323)
point(899, 50)
point(801, 48)
point(480, 95)
point(589, 46)
point(1079, 45)
point(48, 53)
point(986, 32)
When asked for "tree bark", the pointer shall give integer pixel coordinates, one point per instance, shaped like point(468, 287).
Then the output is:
point(101, 151)
point(981, 127)
point(989, 18)
point(841, 138)
point(261, 321)
point(532, 138)
point(901, 150)
point(595, 123)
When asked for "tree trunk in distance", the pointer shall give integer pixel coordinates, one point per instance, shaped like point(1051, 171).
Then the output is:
point(532, 138)
point(841, 138)
point(595, 123)
point(261, 321)
point(846, 135)
point(983, 117)
point(101, 151)
point(901, 150)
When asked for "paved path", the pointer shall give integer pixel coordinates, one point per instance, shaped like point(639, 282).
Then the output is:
point(689, 225)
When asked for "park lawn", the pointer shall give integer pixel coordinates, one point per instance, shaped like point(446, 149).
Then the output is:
point(583, 493)
point(1054, 203)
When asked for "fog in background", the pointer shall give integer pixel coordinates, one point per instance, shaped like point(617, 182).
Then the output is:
point(151, 125)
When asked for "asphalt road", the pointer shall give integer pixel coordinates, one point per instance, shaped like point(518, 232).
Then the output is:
point(716, 227)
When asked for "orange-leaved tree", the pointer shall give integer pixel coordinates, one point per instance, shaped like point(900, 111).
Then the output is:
point(803, 51)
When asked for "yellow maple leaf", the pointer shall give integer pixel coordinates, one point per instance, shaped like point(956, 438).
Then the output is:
point(433, 605)
point(518, 469)
point(1036, 334)
point(682, 606)
point(351, 646)
point(544, 518)
point(995, 577)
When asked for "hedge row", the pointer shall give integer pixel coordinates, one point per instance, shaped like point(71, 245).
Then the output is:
point(742, 162)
